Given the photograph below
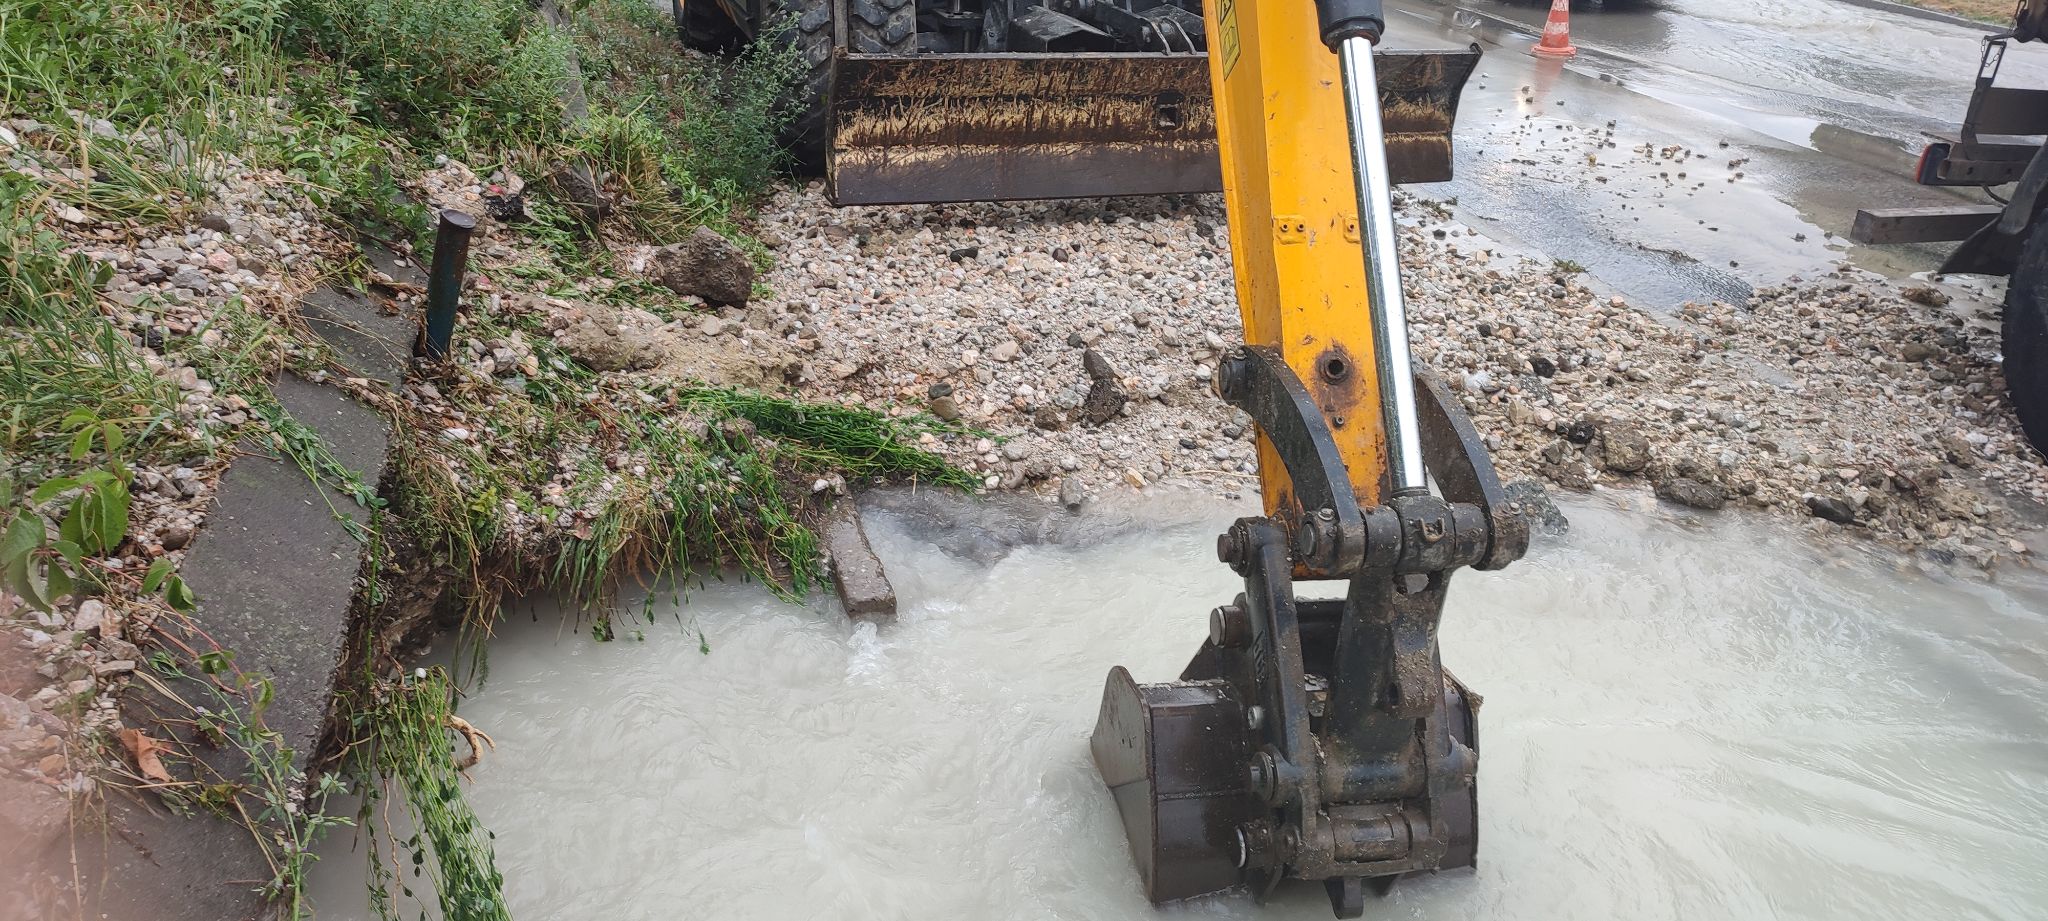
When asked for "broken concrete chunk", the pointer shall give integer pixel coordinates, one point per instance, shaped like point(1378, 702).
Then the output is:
point(705, 265)
point(857, 574)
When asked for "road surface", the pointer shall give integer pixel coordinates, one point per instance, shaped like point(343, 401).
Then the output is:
point(1820, 104)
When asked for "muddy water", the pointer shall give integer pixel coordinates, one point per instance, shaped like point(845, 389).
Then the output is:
point(1683, 719)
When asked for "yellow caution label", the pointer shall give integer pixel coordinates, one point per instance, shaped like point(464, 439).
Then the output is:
point(1226, 34)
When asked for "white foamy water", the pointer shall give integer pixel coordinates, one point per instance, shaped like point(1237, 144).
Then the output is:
point(1684, 719)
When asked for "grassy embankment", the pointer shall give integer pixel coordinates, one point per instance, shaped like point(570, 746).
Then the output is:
point(129, 119)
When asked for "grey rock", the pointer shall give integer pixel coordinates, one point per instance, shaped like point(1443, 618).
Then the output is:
point(1071, 493)
point(577, 186)
point(945, 408)
point(1623, 449)
point(857, 575)
point(1533, 503)
point(1692, 493)
point(1831, 508)
point(705, 265)
point(1104, 401)
point(191, 279)
point(1098, 367)
point(596, 343)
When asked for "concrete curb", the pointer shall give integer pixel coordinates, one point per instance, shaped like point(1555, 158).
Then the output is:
point(275, 569)
point(1907, 9)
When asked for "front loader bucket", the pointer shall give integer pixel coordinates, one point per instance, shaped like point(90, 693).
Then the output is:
point(996, 127)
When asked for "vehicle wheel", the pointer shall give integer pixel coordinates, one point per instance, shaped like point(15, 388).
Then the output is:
point(2026, 339)
point(876, 27)
point(702, 26)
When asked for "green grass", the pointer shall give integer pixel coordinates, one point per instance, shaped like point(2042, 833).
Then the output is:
point(58, 353)
point(468, 76)
point(708, 128)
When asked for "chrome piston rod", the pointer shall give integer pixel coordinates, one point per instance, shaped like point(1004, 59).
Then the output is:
point(1388, 311)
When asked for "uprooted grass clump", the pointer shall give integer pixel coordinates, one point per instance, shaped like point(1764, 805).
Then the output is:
point(581, 478)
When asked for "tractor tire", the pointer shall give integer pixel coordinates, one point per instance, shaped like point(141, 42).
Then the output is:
point(875, 27)
point(702, 26)
point(2026, 338)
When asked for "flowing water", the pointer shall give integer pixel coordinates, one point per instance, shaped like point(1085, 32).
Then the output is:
point(1684, 718)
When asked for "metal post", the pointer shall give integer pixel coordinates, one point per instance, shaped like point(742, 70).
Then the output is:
point(1388, 313)
point(444, 281)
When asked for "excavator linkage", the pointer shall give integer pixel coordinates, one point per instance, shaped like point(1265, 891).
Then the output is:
point(1319, 739)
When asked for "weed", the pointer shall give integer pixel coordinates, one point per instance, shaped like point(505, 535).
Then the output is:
point(714, 123)
point(472, 73)
point(406, 740)
point(1566, 267)
point(284, 812)
point(58, 354)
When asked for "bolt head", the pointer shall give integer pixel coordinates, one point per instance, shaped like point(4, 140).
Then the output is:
point(1229, 626)
point(1230, 548)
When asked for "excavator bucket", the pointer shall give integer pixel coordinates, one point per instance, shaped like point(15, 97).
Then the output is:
point(979, 127)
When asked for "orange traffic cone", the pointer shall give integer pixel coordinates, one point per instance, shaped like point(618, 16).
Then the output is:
point(1557, 32)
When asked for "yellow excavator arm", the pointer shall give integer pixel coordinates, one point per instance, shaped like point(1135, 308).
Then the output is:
point(1322, 739)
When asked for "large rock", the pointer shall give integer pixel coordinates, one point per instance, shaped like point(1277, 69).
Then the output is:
point(857, 573)
point(705, 265)
point(579, 187)
point(1692, 493)
point(1623, 449)
point(1105, 399)
point(1533, 503)
point(601, 341)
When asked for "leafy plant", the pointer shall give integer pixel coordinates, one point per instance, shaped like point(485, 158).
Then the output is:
point(407, 728)
point(52, 536)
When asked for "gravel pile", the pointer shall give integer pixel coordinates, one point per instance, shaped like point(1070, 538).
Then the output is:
point(988, 313)
point(1843, 400)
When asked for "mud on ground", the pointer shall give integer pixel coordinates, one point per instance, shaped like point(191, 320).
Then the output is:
point(1868, 408)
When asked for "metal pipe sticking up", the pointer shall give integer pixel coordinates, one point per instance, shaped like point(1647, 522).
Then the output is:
point(1387, 310)
point(444, 281)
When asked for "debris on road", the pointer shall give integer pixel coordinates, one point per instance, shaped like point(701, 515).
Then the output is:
point(1843, 386)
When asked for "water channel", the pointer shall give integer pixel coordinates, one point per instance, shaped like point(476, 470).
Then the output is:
point(1685, 718)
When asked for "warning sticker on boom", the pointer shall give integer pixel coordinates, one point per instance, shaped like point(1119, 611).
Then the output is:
point(1226, 34)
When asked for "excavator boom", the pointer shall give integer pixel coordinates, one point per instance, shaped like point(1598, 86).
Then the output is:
point(1321, 739)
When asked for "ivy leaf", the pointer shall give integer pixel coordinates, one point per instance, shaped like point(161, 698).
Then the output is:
point(81, 443)
point(113, 515)
point(24, 535)
point(179, 595)
point(52, 488)
point(14, 574)
point(72, 528)
point(58, 583)
point(155, 577)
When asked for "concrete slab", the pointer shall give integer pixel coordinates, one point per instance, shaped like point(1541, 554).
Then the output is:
point(367, 341)
point(857, 574)
point(275, 572)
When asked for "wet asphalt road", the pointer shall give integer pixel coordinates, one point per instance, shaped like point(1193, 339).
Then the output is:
point(1818, 105)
